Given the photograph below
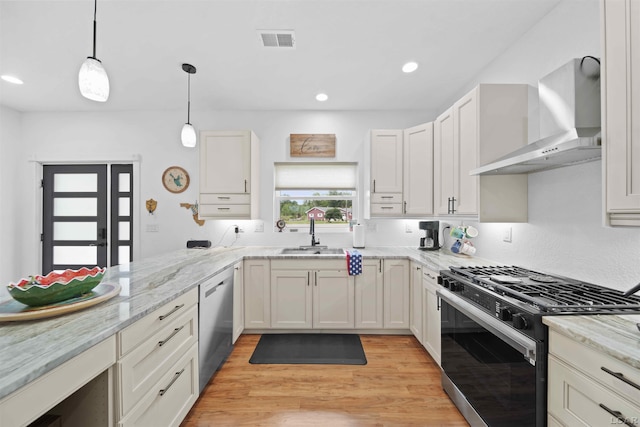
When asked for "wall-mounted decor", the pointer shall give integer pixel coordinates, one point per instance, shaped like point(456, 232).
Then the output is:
point(151, 206)
point(194, 212)
point(175, 179)
point(312, 145)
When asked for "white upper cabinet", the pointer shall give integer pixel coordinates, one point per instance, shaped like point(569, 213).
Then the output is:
point(418, 170)
point(229, 185)
point(401, 175)
point(386, 161)
point(487, 123)
point(620, 106)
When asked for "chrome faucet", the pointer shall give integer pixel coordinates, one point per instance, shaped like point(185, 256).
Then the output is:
point(312, 231)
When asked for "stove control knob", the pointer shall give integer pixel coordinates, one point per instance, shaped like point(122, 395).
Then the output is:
point(455, 286)
point(520, 322)
point(505, 314)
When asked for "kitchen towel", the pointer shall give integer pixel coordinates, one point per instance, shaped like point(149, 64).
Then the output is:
point(354, 263)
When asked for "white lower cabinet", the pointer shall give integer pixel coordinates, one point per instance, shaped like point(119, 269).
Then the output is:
point(157, 368)
point(416, 310)
point(311, 294)
point(369, 298)
point(257, 293)
point(171, 398)
point(589, 388)
point(396, 293)
point(431, 308)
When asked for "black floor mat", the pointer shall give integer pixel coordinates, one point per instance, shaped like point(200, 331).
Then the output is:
point(327, 349)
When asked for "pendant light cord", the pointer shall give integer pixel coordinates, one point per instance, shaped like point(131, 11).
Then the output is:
point(95, 11)
point(188, 98)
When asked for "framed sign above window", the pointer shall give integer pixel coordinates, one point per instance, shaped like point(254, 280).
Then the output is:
point(312, 145)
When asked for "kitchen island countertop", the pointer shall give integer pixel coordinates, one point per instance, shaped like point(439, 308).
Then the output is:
point(29, 349)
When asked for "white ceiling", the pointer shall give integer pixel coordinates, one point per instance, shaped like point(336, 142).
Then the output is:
point(351, 49)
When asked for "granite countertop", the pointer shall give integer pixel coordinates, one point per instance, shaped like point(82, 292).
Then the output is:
point(29, 349)
point(614, 335)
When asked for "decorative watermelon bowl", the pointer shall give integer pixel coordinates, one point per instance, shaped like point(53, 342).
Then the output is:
point(56, 286)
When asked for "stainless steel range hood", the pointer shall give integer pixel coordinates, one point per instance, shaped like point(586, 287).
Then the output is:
point(569, 123)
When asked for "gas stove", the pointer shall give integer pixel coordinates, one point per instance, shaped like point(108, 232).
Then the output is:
point(550, 294)
point(519, 297)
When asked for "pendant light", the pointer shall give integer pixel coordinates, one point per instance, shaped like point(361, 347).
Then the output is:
point(92, 78)
point(188, 135)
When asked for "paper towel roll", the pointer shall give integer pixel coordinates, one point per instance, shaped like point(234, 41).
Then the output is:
point(358, 236)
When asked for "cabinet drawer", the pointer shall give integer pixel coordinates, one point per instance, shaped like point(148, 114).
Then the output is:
point(139, 370)
point(575, 399)
point(386, 209)
point(223, 211)
point(225, 199)
point(596, 364)
point(134, 334)
point(171, 398)
point(386, 198)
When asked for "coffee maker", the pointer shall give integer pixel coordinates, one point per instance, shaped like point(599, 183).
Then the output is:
point(431, 230)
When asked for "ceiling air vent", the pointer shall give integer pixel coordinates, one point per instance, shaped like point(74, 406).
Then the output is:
point(277, 38)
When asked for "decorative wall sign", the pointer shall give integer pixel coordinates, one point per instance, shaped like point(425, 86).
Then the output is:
point(175, 179)
point(312, 145)
point(194, 212)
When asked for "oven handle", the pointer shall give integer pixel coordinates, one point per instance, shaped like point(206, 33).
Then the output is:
point(525, 345)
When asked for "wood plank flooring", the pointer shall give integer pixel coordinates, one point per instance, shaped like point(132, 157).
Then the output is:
point(399, 386)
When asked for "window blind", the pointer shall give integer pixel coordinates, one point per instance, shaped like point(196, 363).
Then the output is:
point(326, 176)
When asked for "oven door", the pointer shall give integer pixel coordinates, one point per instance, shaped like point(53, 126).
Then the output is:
point(489, 369)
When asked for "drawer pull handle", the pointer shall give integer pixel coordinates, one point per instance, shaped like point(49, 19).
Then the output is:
point(173, 334)
point(386, 207)
point(223, 209)
point(618, 415)
point(621, 377)
point(224, 197)
point(386, 197)
point(176, 308)
point(173, 380)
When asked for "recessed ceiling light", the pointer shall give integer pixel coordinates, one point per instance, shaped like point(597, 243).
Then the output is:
point(11, 79)
point(322, 97)
point(410, 67)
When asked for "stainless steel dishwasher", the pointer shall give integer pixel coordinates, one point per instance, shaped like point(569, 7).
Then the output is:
point(215, 327)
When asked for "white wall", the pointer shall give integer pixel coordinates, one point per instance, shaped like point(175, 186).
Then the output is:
point(10, 201)
point(153, 137)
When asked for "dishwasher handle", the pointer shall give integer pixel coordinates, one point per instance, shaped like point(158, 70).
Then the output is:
point(208, 292)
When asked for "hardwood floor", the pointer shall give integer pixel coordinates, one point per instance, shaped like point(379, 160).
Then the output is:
point(399, 386)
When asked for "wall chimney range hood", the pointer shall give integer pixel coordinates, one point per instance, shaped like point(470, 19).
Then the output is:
point(569, 122)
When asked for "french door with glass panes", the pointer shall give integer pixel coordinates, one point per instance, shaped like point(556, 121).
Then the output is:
point(78, 230)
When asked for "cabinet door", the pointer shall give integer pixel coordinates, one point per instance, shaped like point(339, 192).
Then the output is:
point(621, 94)
point(291, 299)
point(333, 299)
point(443, 162)
point(418, 170)
point(465, 154)
point(396, 293)
point(415, 313)
point(369, 295)
point(386, 161)
point(225, 162)
point(238, 301)
point(257, 294)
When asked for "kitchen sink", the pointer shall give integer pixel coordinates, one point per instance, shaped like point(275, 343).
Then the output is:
point(312, 250)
